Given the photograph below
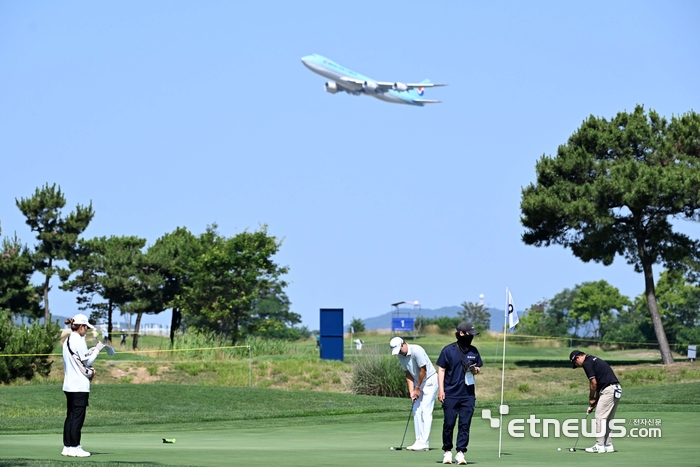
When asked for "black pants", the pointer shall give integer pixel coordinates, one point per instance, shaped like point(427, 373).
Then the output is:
point(464, 408)
point(77, 403)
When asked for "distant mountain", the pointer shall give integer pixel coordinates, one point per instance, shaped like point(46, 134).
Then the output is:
point(384, 321)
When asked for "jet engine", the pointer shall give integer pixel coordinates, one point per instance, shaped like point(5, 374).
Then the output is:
point(331, 86)
point(399, 87)
point(370, 86)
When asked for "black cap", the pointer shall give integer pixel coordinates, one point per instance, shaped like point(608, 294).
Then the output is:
point(467, 328)
point(573, 355)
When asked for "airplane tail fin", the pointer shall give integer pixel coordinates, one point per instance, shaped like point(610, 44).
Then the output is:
point(419, 92)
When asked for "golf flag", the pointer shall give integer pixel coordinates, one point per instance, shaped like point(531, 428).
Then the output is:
point(512, 314)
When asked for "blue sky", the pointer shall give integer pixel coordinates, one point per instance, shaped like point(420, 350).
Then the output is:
point(168, 114)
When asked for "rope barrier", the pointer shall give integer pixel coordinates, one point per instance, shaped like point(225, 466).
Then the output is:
point(132, 351)
point(586, 339)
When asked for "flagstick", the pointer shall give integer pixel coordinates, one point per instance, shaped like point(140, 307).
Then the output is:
point(503, 373)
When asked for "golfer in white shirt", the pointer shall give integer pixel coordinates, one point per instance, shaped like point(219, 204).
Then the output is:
point(77, 367)
point(422, 382)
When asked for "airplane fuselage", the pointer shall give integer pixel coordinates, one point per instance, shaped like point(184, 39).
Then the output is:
point(346, 80)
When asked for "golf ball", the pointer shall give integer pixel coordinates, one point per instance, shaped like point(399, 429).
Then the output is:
point(558, 449)
point(391, 448)
point(571, 449)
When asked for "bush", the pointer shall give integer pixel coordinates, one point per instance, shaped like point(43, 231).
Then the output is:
point(34, 339)
point(446, 323)
point(379, 375)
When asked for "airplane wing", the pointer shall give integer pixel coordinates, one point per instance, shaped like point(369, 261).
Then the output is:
point(427, 101)
point(397, 86)
point(410, 85)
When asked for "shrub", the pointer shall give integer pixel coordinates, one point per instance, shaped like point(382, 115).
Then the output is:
point(36, 339)
point(446, 323)
point(379, 375)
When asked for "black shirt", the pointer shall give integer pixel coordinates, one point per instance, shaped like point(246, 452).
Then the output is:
point(597, 368)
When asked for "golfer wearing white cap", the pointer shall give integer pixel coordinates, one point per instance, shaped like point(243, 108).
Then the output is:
point(77, 367)
point(422, 382)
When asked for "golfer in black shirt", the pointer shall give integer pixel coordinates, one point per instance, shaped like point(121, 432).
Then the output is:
point(605, 393)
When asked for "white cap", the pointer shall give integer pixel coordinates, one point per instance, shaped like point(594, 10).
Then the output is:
point(82, 319)
point(395, 345)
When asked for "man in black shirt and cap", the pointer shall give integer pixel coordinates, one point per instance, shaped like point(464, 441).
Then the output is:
point(605, 393)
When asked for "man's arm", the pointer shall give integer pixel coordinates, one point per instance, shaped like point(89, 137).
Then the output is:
point(409, 383)
point(416, 389)
point(441, 384)
point(592, 397)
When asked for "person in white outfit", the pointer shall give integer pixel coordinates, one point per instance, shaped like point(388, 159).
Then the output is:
point(422, 382)
point(78, 371)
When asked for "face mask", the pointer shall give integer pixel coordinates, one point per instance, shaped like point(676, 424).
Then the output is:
point(465, 340)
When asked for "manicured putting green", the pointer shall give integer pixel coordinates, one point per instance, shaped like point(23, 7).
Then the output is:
point(353, 443)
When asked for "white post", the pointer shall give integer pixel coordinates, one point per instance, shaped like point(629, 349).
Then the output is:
point(250, 367)
point(503, 374)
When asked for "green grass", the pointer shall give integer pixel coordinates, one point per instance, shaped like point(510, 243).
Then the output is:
point(344, 442)
point(127, 407)
point(216, 423)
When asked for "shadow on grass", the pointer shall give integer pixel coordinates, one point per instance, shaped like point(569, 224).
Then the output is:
point(565, 363)
point(62, 463)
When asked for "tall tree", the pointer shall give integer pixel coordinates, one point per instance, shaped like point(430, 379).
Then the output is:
point(595, 303)
point(271, 316)
point(477, 314)
point(551, 317)
point(17, 293)
point(106, 268)
point(228, 277)
point(559, 321)
point(679, 306)
point(613, 190)
point(173, 256)
point(57, 234)
point(147, 291)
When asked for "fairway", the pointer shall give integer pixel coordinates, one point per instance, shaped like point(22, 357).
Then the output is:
point(222, 426)
point(345, 443)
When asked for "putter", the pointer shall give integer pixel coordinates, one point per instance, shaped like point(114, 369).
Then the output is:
point(579, 433)
point(404, 431)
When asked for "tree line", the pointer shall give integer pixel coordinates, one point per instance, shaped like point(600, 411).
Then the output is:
point(228, 285)
point(618, 188)
point(597, 310)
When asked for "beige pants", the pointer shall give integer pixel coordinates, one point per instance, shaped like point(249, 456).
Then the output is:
point(604, 413)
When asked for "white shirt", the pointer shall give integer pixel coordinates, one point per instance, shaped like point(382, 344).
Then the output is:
point(74, 380)
point(414, 359)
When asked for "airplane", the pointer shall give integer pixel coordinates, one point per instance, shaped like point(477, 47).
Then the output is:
point(346, 80)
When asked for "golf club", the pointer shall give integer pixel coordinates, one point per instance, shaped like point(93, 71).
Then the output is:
point(404, 431)
point(588, 412)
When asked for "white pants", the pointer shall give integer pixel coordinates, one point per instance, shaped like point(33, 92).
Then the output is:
point(423, 409)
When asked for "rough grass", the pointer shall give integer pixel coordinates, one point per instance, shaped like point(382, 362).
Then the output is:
point(379, 375)
point(531, 372)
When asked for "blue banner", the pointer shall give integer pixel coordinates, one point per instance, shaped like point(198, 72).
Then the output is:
point(402, 324)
